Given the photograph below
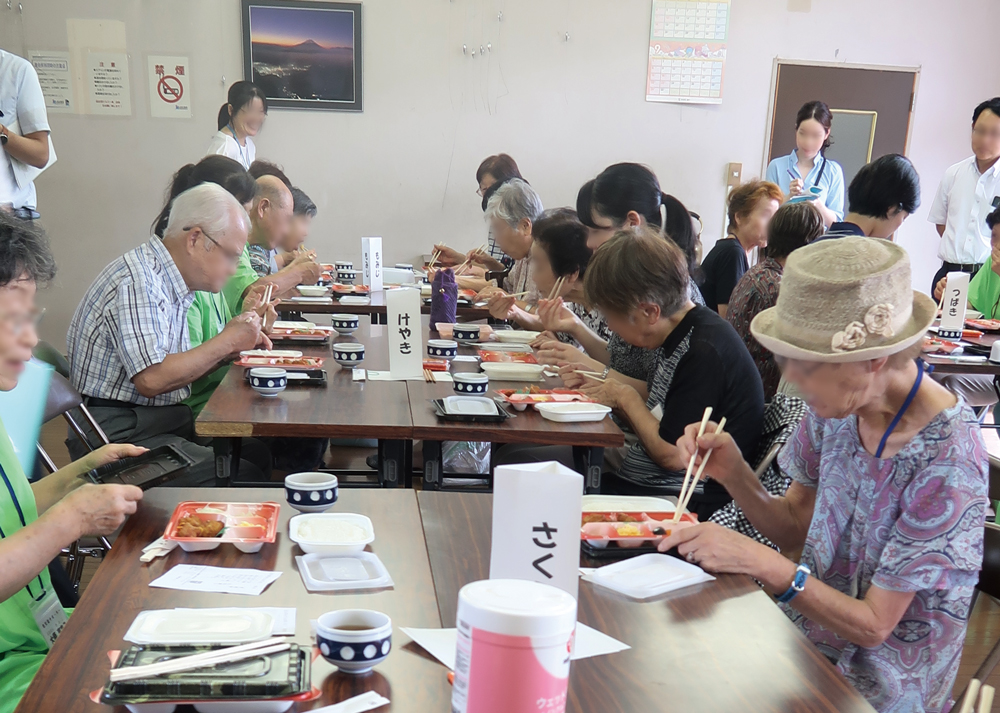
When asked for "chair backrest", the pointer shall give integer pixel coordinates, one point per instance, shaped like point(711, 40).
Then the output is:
point(989, 576)
point(994, 492)
point(62, 398)
point(44, 351)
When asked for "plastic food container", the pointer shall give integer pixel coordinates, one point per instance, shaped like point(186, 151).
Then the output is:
point(635, 533)
point(520, 399)
point(513, 649)
point(513, 372)
point(312, 290)
point(573, 412)
point(507, 356)
point(331, 533)
point(205, 627)
point(516, 336)
point(648, 576)
point(336, 573)
point(248, 526)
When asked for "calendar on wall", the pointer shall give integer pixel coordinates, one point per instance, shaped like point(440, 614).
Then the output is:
point(687, 51)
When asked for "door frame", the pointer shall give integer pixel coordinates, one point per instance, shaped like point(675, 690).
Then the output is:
point(773, 94)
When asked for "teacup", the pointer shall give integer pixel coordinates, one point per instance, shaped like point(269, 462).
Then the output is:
point(354, 640)
point(466, 332)
point(346, 277)
point(345, 323)
point(343, 265)
point(471, 383)
point(442, 348)
point(311, 492)
point(268, 381)
point(348, 353)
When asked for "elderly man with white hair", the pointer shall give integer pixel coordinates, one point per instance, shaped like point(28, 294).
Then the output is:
point(128, 342)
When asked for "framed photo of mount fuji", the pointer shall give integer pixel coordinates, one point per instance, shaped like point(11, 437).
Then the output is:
point(304, 55)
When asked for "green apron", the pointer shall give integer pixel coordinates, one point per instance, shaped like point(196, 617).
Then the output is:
point(22, 647)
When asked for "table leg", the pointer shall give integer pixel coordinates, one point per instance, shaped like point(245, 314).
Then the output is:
point(589, 460)
point(391, 472)
point(432, 465)
point(227, 460)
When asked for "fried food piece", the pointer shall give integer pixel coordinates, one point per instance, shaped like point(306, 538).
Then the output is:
point(192, 526)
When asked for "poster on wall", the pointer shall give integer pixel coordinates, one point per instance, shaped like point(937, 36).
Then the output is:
point(304, 55)
point(56, 80)
point(107, 84)
point(687, 51)
point(169, 89)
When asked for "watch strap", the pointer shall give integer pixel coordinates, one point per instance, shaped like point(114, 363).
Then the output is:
point(802, 573)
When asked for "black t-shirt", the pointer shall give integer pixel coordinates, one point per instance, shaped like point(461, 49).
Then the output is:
point(722, 268)
point(702, 363)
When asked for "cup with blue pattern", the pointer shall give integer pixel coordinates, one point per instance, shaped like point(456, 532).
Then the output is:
point(466, 332)
point(345, 323)
point(348, 353)
point(268, 381)
point(471, 384)
point(354, 640)
point(346, 277)
point(311, 492)
point(442, 348)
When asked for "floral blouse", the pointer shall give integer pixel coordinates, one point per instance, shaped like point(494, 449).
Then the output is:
point(910, 523)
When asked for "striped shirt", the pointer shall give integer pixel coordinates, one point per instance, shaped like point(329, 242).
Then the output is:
point(131, 318)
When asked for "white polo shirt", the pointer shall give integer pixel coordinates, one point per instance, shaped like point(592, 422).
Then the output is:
point(224, 144)
point(21, 100)
point(964, 200)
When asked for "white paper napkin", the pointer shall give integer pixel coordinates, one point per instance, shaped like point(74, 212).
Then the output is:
point(358, 704)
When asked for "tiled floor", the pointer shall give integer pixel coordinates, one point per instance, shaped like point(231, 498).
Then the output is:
point(984, 624)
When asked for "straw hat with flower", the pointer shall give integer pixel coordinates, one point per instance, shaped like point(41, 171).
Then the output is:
point(845, 300)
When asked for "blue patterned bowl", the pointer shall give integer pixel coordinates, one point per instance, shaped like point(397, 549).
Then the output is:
point(345, 323)
point(311, 492)
point(468, 383)
point(467, 332)
point(349, 353)
point(442, 348)
point(346, 277)
point(268, 381)
point(354, 640)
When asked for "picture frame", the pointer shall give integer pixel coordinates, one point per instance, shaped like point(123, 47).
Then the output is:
point(304, 54)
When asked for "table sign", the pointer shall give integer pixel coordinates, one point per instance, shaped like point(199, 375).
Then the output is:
point(406, 335)
point(956, 291)
point(537, 509)
point(371, 258)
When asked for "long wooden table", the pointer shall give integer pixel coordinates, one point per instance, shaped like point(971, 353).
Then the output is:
point(950, 366)
point(375, 309)
point(720, 646)
point(394, 412)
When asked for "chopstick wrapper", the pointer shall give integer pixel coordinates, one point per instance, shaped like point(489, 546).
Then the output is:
point(358, 704)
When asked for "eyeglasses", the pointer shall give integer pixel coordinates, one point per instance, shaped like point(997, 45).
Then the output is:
point(18, 322)
point(233, 257)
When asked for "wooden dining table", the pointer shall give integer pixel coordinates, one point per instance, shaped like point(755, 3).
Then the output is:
point(945, 365)
point(718, 646)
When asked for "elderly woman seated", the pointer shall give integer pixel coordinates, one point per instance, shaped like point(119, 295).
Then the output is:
point(38, 519)
point(889, 480)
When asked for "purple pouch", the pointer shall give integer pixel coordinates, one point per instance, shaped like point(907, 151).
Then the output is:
point(444, 298)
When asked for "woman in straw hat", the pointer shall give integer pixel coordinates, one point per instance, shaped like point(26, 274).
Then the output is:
point(889, 480)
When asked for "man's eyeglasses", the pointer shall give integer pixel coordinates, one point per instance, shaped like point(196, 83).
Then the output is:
point(233, 257)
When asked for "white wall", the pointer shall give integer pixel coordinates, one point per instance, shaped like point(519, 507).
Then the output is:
point(404, 169)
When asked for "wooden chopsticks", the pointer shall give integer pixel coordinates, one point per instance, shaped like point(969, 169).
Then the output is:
point(429, 376)
point(556, 288)
point(202, 660)
point(435, 256)
point(520, 294)
point(985, 699)
point(689, 485)
point(468, 262)
point(267, 293)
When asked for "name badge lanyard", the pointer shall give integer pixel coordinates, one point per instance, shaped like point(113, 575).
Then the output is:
point(20, 514)
point(245, 160)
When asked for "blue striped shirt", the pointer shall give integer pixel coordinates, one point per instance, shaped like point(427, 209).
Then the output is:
point(131, 318)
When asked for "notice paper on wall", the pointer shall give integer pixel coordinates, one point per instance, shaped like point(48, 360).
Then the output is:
point(55, 78)
point(687, 51)
point(169, 92)
point(108, 84)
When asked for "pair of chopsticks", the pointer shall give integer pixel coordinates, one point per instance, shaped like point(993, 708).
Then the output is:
point(202, 660)
point(429, 376)
point(556, 288)
point(434, 258)
point(592, 375)
point(468, 262)
point(984, 693)
point(520, 294)
point(689, 485)
point(267, 293)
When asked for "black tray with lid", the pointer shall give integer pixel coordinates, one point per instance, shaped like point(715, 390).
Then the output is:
point(279, 675)
point(146, 471)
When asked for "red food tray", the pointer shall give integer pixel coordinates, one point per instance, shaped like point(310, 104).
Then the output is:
point(246, 525)
point(635, 533)
point(543, 396)
point(985, 325)
point(505, 357)
point(939, 346)
point(296, 363)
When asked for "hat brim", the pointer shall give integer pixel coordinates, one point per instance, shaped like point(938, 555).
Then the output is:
point(924, 312)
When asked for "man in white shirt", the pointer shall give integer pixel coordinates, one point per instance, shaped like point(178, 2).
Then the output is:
point(21, 103)
point(969, 191)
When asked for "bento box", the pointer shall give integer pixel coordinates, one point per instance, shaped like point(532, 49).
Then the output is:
point(198, 526)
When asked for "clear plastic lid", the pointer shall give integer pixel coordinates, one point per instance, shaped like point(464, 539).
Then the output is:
point(516, 607)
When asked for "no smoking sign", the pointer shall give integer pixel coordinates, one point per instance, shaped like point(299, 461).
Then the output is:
point(168, 87)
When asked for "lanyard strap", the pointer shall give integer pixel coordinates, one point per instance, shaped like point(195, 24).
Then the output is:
point(20, 514)
point(822, 170)
point(244, 160)
point(902, 409)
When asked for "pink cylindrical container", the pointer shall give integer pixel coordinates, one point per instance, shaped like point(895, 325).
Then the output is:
point(514, 644)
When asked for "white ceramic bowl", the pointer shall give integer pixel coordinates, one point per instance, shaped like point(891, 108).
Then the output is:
point(345, 323)
point(311, 492)
point(268, 381)
point(312, 290)
point(348, 353)
point(354, 650)
point(306, 531)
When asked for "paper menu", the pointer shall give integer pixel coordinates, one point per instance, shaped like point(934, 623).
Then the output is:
point(222, 580)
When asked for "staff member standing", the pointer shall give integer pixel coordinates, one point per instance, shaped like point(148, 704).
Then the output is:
point(21, 102)
point(968, 193)
point(239, 120)
point(806, 168)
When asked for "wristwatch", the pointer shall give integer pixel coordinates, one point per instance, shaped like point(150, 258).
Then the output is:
point(802, 572)
point(3, 135)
